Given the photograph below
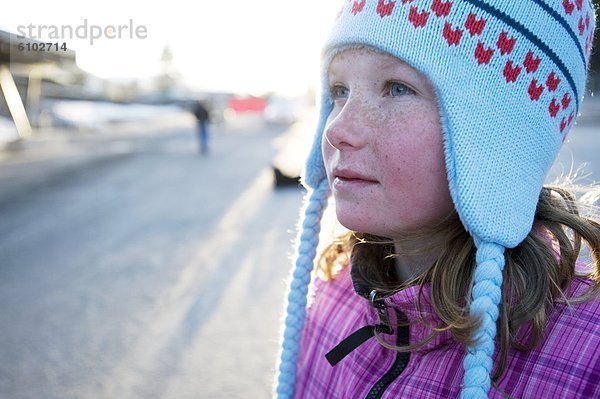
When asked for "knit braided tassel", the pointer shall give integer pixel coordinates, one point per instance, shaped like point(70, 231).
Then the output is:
point(487, 293)
point(297, 296)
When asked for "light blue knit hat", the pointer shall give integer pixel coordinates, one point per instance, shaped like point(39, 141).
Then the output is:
point(510, 76)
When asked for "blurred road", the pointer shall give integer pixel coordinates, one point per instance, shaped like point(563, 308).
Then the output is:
point(146, 271)
point(151, 272)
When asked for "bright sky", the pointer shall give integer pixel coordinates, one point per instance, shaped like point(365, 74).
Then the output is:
point(240, 45)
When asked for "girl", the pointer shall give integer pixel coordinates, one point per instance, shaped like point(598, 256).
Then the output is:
point(439, 121)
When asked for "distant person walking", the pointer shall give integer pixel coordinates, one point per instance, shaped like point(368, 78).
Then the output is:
point(203, 118)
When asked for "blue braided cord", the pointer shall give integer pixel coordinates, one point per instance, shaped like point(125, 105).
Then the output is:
point(487, 293)
point(297, 295)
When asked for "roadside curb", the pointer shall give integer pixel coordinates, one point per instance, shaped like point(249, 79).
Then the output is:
point(27, 165)
point(19, 178)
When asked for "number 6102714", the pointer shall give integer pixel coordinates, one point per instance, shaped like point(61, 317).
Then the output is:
point(42, 46)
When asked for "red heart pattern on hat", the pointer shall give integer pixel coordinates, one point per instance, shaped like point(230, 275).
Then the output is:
point(568, 6)
point(440, 8)
point(554, 107)
point(531, 62)
point(418, 19)
point(385, 8)
point(534, 90)
point(482, 54)
point(358, 6)
point(581, 26)
point(511, 71)
point(566, 101)
point(505, 44)
point(475, 25)
point(452, 36)
point(552, 81)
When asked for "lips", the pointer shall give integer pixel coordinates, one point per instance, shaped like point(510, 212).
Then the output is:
point(347, 178)
point(348, 174)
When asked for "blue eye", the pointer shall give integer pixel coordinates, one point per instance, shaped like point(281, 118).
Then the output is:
point(396, 89)
point(338, 92)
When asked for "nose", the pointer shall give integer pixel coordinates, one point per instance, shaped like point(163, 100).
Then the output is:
point(346, 128)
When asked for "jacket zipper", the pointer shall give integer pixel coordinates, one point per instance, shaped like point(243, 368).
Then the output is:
point(402, 338)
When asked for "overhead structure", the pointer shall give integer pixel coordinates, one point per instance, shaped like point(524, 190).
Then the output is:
point(30, 59)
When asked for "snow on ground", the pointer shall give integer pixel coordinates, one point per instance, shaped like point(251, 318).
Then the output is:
point(96, 114)
point(91, 115)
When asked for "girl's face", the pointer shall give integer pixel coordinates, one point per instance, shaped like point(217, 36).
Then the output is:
point(383, 146)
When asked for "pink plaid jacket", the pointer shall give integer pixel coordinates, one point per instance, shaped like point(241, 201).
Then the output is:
point(566, 364)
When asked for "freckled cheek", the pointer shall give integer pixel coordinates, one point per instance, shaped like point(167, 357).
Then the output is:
point(411, 147)
point(414, 155)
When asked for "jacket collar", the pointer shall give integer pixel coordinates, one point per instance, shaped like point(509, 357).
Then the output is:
point(414, 302)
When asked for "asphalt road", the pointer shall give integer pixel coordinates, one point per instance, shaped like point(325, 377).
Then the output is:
point(155, 273)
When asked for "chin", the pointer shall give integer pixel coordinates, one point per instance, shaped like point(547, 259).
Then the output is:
point(359, 223)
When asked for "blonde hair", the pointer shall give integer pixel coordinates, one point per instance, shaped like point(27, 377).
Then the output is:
point(536, 274)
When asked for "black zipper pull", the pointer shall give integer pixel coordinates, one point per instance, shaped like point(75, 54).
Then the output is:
point(351, 342)
point(360, 336)
point(384, 318)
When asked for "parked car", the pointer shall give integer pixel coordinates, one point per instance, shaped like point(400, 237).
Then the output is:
point(281, 111)
point(293, 145)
